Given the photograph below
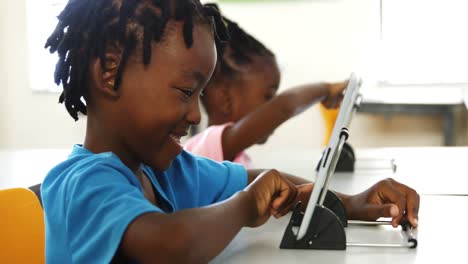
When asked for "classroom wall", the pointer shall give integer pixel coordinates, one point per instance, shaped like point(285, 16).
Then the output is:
point(315, 41)
point(325, 41)
point(28, 120)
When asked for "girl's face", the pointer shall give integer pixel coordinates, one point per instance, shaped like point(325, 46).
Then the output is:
point(160, 101)
point(256, 85)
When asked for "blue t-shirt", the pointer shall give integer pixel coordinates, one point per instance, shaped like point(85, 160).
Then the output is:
point(90, 199)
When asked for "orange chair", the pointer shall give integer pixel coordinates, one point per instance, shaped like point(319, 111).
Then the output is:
point(329, 117)
point(22, 232)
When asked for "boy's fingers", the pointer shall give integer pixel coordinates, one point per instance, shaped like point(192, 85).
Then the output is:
point(278, 201)
point(394, 196)
point(286, 209)
point(302, 195)
point(285, 200)
point(412, 202)
point(375, 211)
point(412, 207)
point(286, 203)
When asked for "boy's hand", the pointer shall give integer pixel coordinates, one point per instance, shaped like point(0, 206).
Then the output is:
point(387, 198)
point(303, 194)
point(272, 194)
point(335, 94)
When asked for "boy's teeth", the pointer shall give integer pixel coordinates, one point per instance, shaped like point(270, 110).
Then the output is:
point(177, 139)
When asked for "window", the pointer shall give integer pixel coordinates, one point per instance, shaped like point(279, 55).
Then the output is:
point(41, 20)
point(423, 42)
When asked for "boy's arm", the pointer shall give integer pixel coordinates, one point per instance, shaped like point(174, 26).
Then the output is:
point(197, 235)
point(261, 122)
point(187, 236)
point(304, 187)
point(253, 173)
point(386, 198)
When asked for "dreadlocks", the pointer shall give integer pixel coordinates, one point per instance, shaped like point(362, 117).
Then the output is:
point(240, 50)
point(87, 27)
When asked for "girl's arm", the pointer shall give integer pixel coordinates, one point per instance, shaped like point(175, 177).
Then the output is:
point(198, 235)
point(261, 122)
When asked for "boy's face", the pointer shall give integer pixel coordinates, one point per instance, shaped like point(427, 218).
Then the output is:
point(159, 102)
point(256, 86)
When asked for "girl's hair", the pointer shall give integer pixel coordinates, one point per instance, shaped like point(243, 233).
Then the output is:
point(239, 51)
point(87, 27)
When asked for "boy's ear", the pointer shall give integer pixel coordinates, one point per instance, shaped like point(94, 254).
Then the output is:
point(103, 80)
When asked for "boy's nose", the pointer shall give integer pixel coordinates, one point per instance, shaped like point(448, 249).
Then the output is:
point(194, 114)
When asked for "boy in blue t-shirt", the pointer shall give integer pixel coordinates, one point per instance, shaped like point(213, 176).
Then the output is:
point(130, 193)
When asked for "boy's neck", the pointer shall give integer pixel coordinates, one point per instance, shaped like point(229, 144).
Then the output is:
point(98, 140)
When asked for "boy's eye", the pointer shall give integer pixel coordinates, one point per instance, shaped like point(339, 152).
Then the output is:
point(186, 92)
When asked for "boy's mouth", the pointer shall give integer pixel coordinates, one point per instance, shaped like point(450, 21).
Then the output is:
point(177, 136)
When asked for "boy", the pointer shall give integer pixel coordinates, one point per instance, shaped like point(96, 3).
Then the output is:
point(130, 193)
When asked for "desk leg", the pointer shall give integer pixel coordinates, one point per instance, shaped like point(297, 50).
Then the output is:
point(449, 127)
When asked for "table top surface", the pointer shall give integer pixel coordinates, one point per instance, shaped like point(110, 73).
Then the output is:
point(429, 170)
point(439, 173)
point(440, 234)
point(415, 95)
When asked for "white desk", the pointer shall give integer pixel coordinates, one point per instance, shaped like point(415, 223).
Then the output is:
point(23, 168)
point(442, 231)
point(442, 235)
point(429, 170)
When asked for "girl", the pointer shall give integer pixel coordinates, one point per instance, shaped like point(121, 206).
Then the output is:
point(130, 193)
point(241, 104)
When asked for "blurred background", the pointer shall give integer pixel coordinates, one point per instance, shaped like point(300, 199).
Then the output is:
point(411, 55)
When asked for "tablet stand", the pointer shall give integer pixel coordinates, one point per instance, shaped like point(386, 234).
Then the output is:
point(322, 225)
point(326, 229)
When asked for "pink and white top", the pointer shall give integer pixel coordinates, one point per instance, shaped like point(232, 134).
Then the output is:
point(209, 144)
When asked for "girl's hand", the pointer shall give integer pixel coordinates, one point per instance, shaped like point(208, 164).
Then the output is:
point(272, 194)
point(387, 198)
point(335, 94)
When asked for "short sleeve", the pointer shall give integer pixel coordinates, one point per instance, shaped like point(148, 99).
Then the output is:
point(99, 204)
point(219, 180)
point(208, 143)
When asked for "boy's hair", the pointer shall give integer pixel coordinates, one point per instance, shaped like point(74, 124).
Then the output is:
point(240, 50)
point(87, 27)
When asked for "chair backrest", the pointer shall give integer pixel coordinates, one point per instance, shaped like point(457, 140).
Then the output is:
point(37, 190)
point(22, 231)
